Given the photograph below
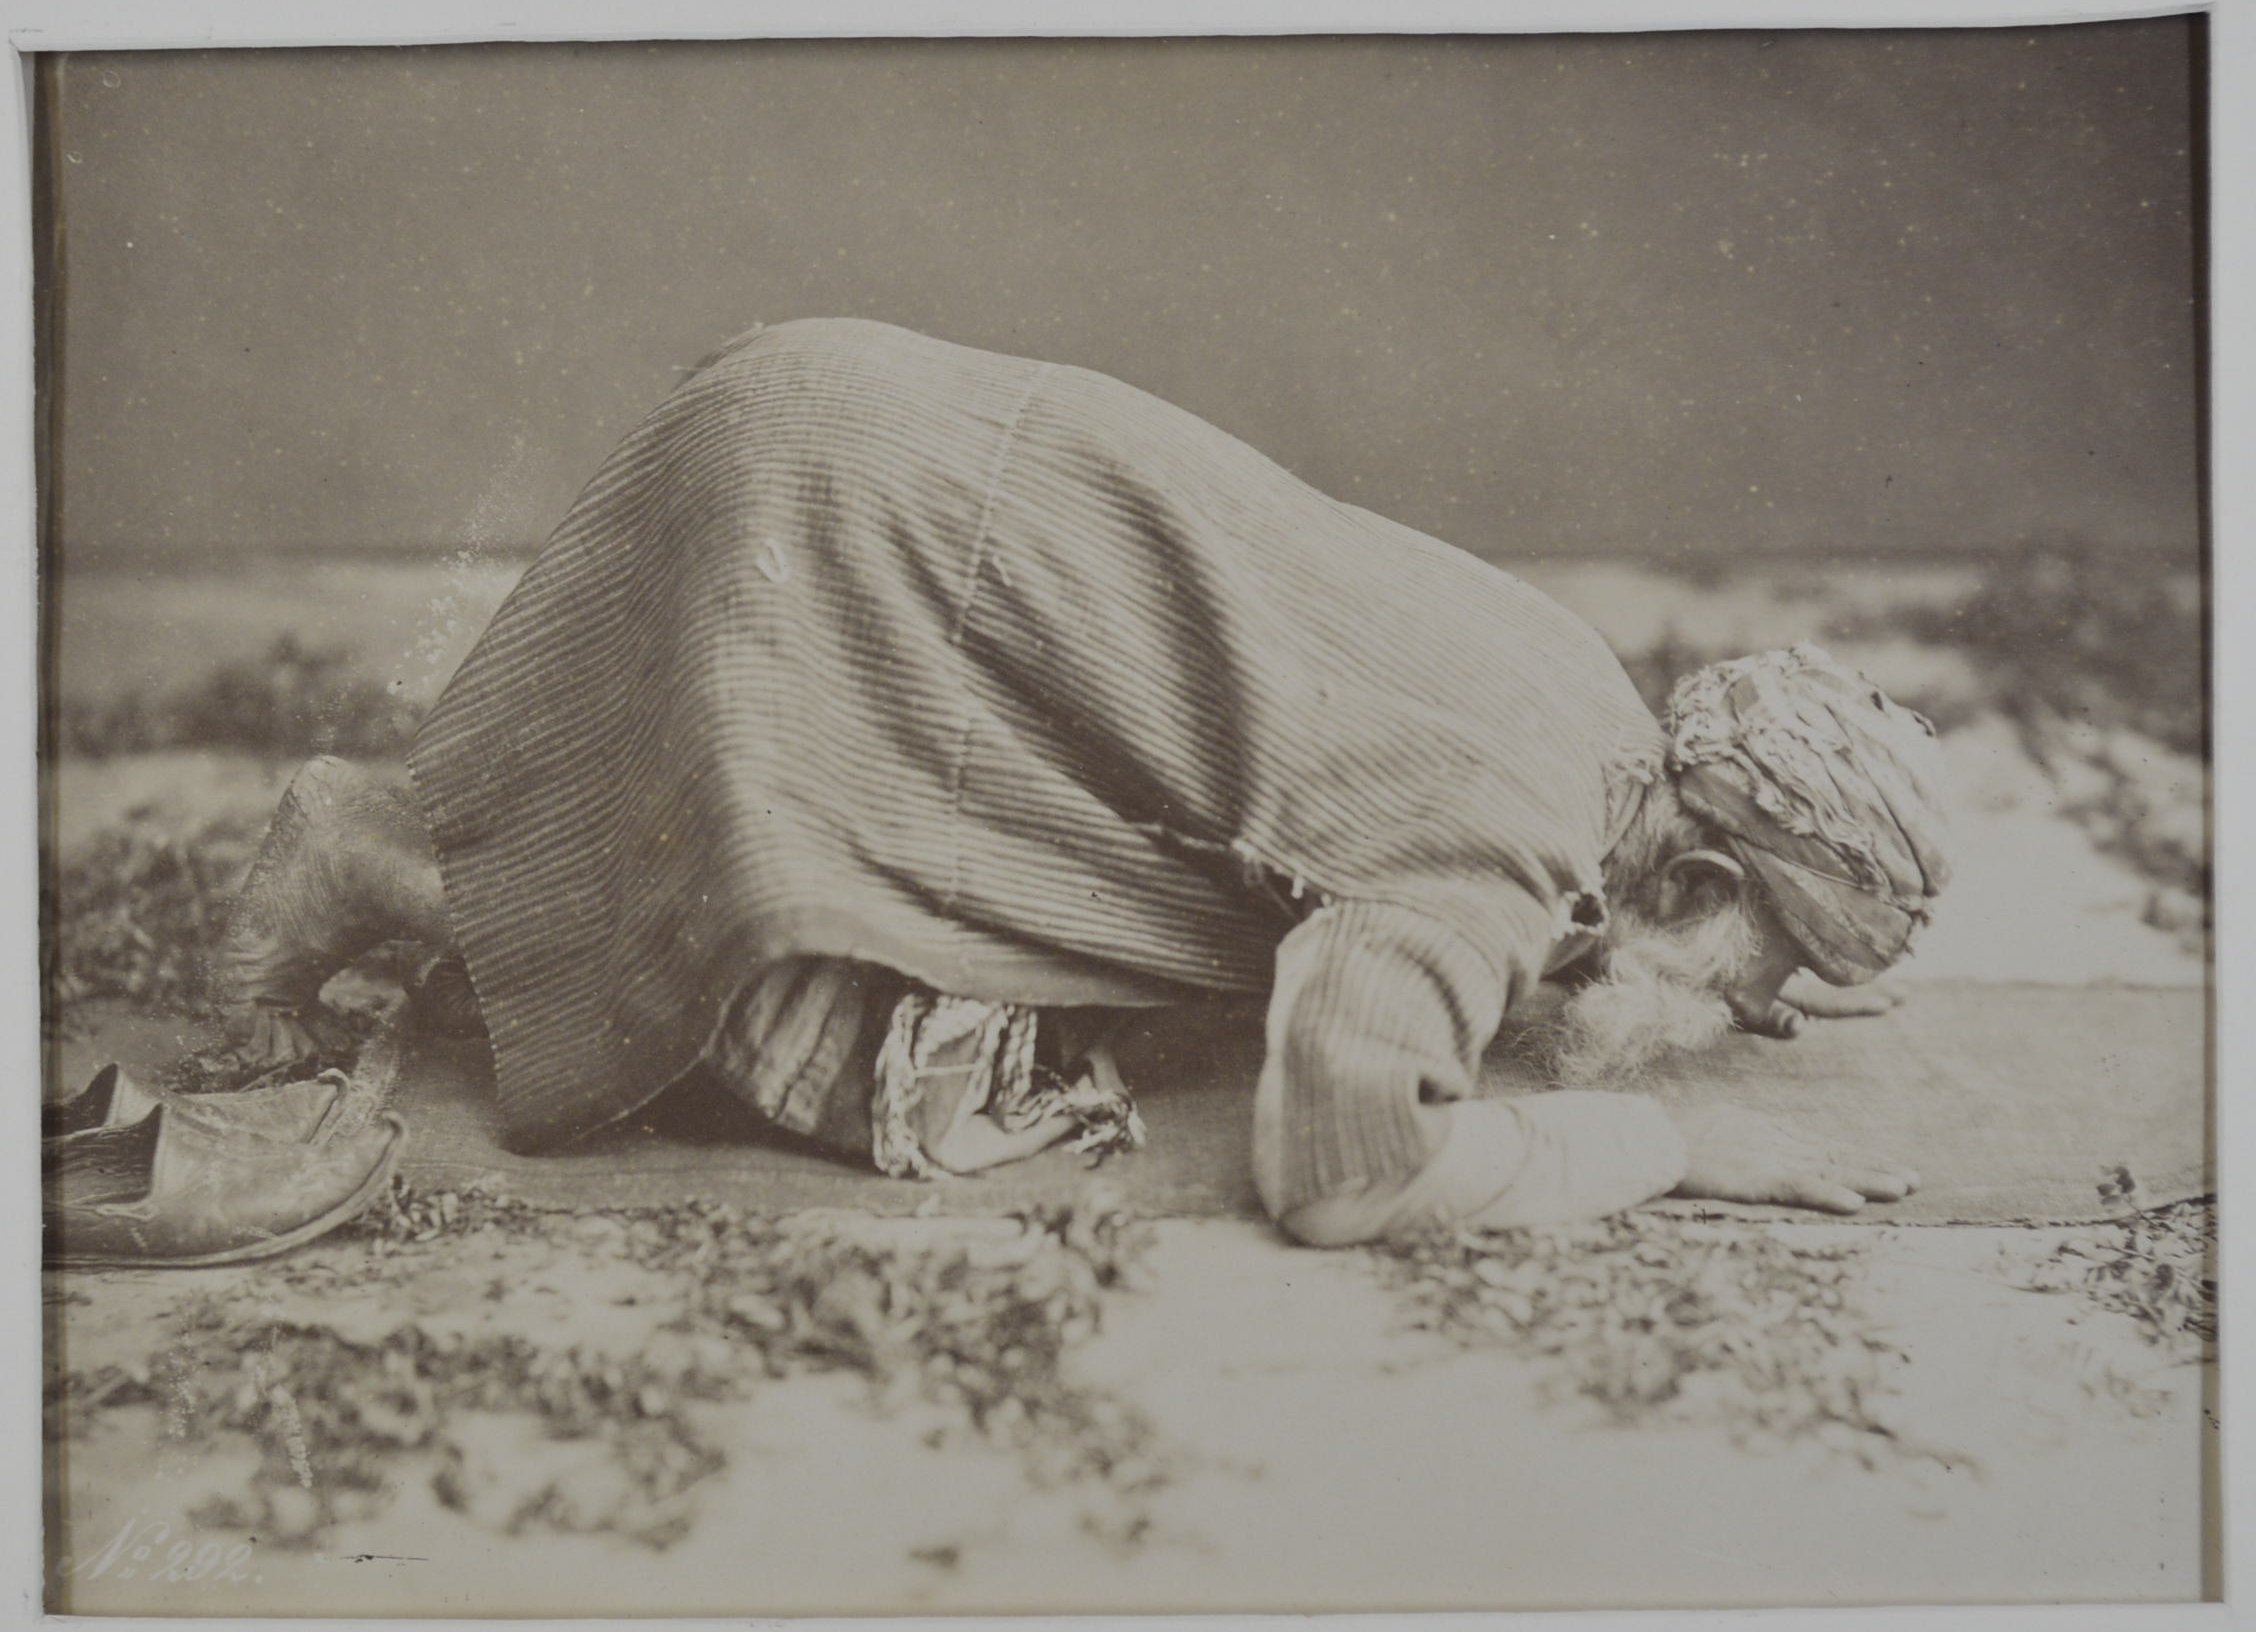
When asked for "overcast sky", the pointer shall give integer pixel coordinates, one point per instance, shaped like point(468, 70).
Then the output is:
point(1538, 296)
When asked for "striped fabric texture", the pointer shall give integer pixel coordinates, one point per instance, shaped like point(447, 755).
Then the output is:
point(1019, 681)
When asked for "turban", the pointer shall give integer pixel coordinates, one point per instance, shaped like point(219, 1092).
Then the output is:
point(1827, 792)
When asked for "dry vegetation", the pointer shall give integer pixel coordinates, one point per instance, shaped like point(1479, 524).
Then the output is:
point(289, 702)
point(132, 913)
point(1654, 1317)
point(2158, 1267)
point(979, 1325)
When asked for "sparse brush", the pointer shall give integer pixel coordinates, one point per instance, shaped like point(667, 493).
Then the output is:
point(290, 701)
point(2157, 1267)
point(2085, 635)
point(978, 1322)
point(333, 1416)
point(136, 909)
point(1654, 1317)
point(407, 1216)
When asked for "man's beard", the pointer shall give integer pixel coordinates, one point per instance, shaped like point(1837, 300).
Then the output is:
point(1661, 994)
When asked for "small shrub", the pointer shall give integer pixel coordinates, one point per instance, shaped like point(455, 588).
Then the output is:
point(134, 912)
point(1656, 1318)
point(291, 701)
point(2079, 635)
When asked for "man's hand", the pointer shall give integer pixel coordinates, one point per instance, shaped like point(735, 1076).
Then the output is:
point(1819, 1001)
point(1738, 1155)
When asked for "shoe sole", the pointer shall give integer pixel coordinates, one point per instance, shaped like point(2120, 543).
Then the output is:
point(343, 1213)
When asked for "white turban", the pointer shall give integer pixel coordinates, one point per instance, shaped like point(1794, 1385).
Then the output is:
point(1826, 791)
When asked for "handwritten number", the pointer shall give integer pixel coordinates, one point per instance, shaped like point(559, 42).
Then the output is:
point(152, 1537)
point(93, 1569)
point(183, 1561)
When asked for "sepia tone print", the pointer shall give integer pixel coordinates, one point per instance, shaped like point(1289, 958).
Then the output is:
point(850, 827)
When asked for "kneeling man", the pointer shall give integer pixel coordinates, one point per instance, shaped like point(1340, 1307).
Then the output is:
point(886, 716)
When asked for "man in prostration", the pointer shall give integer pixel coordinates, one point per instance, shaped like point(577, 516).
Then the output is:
point(885, 714)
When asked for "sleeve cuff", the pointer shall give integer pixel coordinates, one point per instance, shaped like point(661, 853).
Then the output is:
point(1545, 1159)
point(1568, 1155)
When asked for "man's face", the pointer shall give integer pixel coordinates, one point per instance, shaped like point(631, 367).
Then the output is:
point(1666, 987)
point(1676, 985)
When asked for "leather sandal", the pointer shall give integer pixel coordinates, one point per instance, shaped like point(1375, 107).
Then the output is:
point(218, 1178)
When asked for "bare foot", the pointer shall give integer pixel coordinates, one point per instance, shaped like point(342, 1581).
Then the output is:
point(345, 864)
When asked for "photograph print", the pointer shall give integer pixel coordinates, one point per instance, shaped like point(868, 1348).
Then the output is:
point(1126, 825)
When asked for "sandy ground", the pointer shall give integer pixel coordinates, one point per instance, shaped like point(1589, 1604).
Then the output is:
point(1331, 1458)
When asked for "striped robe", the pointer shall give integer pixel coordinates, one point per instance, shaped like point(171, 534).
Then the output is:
point(1021, 682)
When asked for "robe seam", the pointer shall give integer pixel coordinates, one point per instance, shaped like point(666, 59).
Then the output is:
point(959, 770)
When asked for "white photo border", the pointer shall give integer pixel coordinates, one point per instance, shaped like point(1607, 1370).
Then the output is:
point(36, 26)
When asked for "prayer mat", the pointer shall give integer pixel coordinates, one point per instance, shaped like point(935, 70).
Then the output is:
point(2017, 1104)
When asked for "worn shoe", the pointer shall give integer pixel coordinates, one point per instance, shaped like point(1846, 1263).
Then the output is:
point(111, 1100)
point(219, 1178)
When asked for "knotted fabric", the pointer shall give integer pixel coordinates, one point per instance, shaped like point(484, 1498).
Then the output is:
point(1826, 791)
point(989, 1050)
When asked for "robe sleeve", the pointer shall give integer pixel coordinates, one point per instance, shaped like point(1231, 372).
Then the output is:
point(1364, 1121)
